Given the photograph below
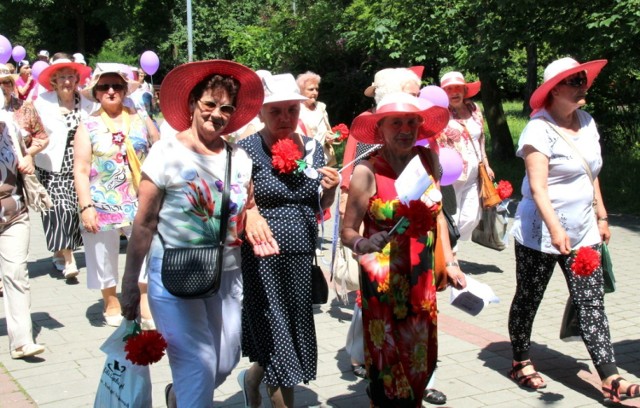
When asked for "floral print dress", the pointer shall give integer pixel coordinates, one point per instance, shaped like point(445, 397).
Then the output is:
point(399, 296)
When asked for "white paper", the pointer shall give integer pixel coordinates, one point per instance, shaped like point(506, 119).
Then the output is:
point(413, 181)
point(474, 297)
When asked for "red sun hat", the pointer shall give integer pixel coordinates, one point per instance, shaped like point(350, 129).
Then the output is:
point(45, 76)
point(365, 126)
point(560, 69)
point(178, 84)
point(456, 78)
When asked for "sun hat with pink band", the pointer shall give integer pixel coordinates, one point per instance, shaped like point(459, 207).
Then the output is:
point(560, 69)
point(456, 78)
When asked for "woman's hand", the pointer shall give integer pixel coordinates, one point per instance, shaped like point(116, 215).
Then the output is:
point(560, 240)
point(603, 229)
point(130, 298)
point(375, 243)
point(331, 178)
point(456, 277)
point(89, 218)
point(490, 172)
point(25, 166)
point(259, 235)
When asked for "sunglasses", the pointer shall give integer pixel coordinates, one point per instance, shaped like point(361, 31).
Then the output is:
point(7, 82)
point(106, 87)
point(575, 82)
point(210, 106)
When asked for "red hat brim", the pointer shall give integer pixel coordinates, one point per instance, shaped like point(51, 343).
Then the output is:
point(177, 85)
point(83, 71)
point(365, 125)
point(592, 68)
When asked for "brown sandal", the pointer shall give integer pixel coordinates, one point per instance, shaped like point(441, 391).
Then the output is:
point(526, 380)
point(613, 394)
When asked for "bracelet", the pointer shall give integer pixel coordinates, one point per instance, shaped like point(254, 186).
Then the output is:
point(452, 264)
point(86, 207)
point(355, 246)
point(605, 219)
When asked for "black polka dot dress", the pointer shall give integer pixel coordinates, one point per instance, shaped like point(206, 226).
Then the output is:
point(278, 330)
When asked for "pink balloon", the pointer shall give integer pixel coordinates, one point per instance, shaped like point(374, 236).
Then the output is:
point(37, 68)
point(18, 53)
point(149, 62)
point(451, 163)
point(435, 95)
point(5, 49)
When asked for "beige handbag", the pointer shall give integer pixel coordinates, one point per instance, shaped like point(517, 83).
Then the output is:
point(35, 195)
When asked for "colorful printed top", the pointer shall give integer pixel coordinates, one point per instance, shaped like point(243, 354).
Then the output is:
point(399, 304)
point(11, 200)
point(112, 191)
point(193, 186)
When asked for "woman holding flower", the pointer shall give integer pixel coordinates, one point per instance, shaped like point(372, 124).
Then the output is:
point(396, 250)
point(561, 211)
point(278, 332)
point(180, 200)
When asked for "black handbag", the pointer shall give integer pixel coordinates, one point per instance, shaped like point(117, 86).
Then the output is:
point(195, 272)
point(319, 285)
point(454, 233)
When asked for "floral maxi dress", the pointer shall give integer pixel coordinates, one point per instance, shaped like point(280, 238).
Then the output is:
point(399, 305)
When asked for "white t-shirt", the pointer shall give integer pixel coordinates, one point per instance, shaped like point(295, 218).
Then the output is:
point(193, 185)
point(569, 186)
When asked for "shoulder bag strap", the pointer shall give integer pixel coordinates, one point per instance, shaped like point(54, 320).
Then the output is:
point(571, 145)
point(224, 212)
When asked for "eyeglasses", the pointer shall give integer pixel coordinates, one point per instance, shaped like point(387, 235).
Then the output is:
point(575, 82)
point(64, 78)
point(106, 87)
point(7, 82)
point(210, 106)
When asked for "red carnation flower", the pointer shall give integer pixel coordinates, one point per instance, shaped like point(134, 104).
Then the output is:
point(285, 154)
point(504, 189)
point(146, 347)
point(342, 132)
point(586, 261)
point(421, 218)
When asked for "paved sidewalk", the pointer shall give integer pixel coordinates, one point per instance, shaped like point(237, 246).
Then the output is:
point(474, 351)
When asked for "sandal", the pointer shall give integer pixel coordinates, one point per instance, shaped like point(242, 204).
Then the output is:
point(526, 380)
point(613, 394)
point(435, 397)
point(359, 370)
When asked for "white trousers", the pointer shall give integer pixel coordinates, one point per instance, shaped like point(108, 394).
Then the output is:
point(203, 335)
point(355, 338)
point(14, 250)
point(468, 205)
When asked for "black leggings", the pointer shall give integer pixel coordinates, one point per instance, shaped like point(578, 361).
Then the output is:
point(533, 271)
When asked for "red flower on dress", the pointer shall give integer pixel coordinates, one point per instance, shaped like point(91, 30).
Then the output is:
point(421, 218)
point(341, 131)
point(504, 189)
point(284, 155)
point(146, 347)
point(380, 342)
point(586, 261)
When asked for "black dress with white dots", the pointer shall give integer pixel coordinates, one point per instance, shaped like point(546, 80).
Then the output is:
point(278, 330)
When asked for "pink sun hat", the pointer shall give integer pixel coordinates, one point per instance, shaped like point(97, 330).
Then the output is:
point(560, 69)
point(456, 78)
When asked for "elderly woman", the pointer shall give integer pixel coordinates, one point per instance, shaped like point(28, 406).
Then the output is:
point(397, 249)
point(61, 108)
point(278, 332)
point(465, 133)
point(180, 205)
point(562, 210)
point(14, 240)
point(314, 120)
point(109, 146)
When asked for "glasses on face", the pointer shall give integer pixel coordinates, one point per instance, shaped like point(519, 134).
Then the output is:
point(64, 78)
point(106, 87)
point(210, 106)
point(575, 82)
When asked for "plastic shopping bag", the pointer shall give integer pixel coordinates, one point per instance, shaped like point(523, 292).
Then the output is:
point(122, 383)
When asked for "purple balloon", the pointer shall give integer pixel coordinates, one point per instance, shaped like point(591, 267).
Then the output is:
point(37, 68)
point(149, 62)
point(451, 163)
point(435, 95)
point(18, 53)
point(5, 49)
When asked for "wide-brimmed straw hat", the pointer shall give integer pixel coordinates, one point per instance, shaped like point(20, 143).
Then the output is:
point(388, 74)
point(281, 88)
point(45, 76)
point(456, 78)
point(5, 73)
point(365, 126)
point(560, 69)
point(104, 68)
point(178, 84)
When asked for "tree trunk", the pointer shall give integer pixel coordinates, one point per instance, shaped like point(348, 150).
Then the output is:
point(80, 33)
point(532, 76)
point(501, 143)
